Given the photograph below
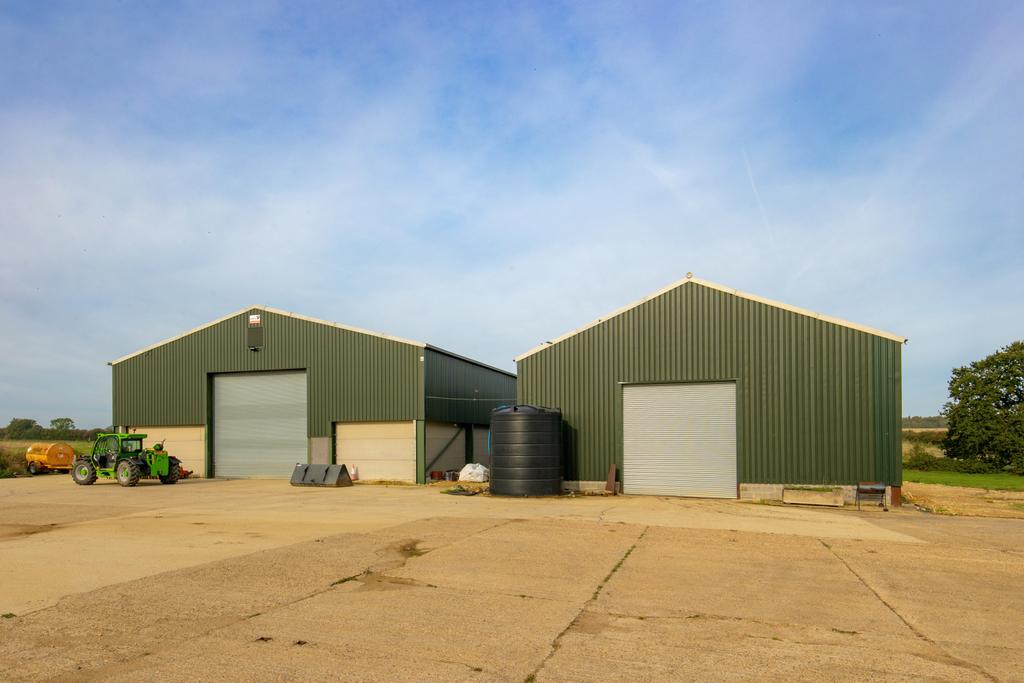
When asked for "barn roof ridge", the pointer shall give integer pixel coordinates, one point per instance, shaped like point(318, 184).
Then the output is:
point(690, 279)
point(276, 311)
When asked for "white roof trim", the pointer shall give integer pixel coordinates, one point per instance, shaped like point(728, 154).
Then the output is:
point(268, 310)
point(722, 288)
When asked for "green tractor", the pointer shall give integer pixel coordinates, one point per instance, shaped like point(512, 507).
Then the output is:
point(122, 457)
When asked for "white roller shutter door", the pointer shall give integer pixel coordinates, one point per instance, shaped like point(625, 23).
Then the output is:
point(259, 424)
point(679, 440)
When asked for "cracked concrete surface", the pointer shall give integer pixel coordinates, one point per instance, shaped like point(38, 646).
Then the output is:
point(710, 606)
point(916, 631)
point(581, 616)
point(400, 584)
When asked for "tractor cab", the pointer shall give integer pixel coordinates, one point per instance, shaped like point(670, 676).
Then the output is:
point(110, 447)
point(123, 457)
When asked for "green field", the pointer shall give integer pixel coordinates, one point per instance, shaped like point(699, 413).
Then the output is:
point(1003, 481)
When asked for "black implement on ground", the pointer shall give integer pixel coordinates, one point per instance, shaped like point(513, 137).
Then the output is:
point(526, 451)
point(872, 488)
point(320, 475)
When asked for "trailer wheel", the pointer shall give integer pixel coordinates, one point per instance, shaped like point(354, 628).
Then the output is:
point(33, 468)
point(84, 473)
point(173, 474)
point(127, 473)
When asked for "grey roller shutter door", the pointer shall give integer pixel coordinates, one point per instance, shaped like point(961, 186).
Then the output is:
point(679, 440)
point(259, 424)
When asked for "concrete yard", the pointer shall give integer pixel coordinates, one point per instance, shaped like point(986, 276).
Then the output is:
point(256, 580)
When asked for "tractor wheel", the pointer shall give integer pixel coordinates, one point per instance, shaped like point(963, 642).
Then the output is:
point(84, 472)
point(33, 468)
point(173, 474)
point(127, 473)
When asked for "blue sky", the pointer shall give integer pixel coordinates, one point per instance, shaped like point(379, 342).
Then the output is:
point(486, 176)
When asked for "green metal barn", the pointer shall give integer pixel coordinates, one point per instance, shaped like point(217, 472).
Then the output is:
point(702, 390)
point(254, 392)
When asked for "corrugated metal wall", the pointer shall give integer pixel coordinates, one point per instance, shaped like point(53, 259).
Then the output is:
point(460, 391)
point(352, 376)
point(817, 403)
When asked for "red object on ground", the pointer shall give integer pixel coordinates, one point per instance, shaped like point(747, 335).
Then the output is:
point(611, 486)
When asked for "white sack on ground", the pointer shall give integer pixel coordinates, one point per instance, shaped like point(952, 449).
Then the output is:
point(474, 472)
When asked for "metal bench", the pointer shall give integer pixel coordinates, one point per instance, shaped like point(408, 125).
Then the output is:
point(872, 488)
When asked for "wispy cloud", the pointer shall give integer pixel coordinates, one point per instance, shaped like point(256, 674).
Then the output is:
point(757, 196)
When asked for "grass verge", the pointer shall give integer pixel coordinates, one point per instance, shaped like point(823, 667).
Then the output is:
point(1003, 481)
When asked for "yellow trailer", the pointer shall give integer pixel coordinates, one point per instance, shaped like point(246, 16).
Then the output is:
point(42, 457)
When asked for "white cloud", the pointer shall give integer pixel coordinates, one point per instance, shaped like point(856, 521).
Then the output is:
point(483, 187)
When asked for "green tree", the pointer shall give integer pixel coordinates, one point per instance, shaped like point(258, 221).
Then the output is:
point(62, 425)
point(986, 409)
point(22, 428)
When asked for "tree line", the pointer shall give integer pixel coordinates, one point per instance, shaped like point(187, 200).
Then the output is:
point(922, 422)
point(61, 429)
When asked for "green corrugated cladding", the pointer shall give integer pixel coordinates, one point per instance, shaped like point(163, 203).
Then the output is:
point(460, 391)
point(350, 376)
point(817, 402)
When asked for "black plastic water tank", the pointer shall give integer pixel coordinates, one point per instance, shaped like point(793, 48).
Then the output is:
point(526, 451)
